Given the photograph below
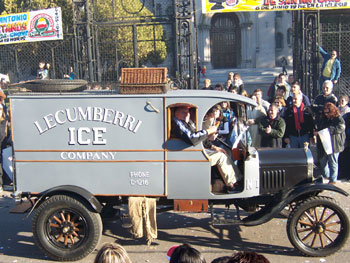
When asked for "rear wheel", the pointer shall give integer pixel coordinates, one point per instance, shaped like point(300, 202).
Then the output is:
point(318, 227)
point(65, 229)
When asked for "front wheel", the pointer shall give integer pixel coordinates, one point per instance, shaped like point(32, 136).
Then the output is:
point(65, 228)
point(318, 227)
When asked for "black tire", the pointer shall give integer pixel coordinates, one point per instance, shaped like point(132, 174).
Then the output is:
point(65, 229)
point(318, 227)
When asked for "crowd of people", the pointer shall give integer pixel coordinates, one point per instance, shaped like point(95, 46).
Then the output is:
point(185, 253)
point(288, 119)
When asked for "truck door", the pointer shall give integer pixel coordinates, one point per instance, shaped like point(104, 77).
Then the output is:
point(188, 168)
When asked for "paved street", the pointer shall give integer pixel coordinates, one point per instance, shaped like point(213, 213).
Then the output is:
point(17, 244)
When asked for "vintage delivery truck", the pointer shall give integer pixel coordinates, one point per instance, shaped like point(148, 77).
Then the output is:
point(77, 153)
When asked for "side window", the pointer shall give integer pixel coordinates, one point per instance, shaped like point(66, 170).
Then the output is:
point(193, 111)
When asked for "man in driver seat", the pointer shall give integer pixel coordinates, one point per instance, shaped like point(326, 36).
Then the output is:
point(185, 129)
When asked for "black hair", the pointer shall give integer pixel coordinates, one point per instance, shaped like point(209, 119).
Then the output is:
point(224, 259)
point(248, 257)
point(186, 254)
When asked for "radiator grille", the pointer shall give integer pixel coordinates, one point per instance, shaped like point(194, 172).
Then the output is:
point(273, 179)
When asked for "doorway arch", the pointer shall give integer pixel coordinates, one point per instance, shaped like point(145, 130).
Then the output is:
point(225, 41)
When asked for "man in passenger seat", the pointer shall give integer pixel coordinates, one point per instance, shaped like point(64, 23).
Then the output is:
point(185, 129)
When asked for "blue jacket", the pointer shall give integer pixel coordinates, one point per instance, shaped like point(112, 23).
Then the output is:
point(336, 69)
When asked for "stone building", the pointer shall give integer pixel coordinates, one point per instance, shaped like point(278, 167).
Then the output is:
point(244, 39)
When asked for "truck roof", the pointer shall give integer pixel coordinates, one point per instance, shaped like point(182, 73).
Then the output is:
point(170, 94)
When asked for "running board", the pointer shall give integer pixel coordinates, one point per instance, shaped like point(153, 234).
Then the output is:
point(226, 222)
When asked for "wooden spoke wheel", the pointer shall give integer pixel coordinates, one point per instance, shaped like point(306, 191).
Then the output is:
point(65, 228)
point(318, 227)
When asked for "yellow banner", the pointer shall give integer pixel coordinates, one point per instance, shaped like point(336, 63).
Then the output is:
point(221, 6)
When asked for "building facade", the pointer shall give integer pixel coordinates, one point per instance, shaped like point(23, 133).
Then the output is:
point(244, 39)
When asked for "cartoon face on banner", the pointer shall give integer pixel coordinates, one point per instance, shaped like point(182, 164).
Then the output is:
point(31, 26)
point(42, 25)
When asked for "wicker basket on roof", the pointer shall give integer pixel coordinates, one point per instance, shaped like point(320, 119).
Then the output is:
point(143, 80)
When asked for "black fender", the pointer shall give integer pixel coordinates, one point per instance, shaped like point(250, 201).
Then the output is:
point(283, 199)
point(312, 188)
point(71, 189)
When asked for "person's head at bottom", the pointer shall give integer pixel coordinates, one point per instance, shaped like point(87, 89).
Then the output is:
point(248, 257)
point(186, 254)
point(112, 253)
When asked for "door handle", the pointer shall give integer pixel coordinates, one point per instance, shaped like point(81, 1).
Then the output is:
point(153, 108)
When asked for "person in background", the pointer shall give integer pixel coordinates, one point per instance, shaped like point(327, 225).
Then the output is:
point(48, 67)
point(42, 72)
point(71, 74)
point(232, 90)
point(280, 92)
point(335, 124)
point(259, 99)
point(230, 76)
point(299, 123)
point(186, 254)
point(271, 91)
point(207, 85)
point(282, 80)
point(344, 156)
point(199, 68)
point(290, 80)
point(284, 64)
point(226, 110)
point(238, 83)
point(279, 101)
point(204, 70)
point(343, 105)
point(216, 118)
point(228, 85)
point(112, 253)
point(295, 89)
point(219, 87)
point(322, 99)
point(253, 115)
point(272, 128)
point(331, 67)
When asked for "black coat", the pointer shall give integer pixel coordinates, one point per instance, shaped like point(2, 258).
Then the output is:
point(336, 128)
point(306, 127)
point(274, 138)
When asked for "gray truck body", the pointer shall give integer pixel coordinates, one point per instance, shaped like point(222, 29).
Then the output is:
point(113, 144)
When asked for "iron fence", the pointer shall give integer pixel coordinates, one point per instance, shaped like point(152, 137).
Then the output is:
point(335, 35)
point(21, 60)
point(110, 34)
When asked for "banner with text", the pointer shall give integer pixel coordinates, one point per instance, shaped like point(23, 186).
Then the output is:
point(40, 25)
point(221, 6)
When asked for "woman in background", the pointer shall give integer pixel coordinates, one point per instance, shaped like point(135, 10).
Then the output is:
point(331, 120)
